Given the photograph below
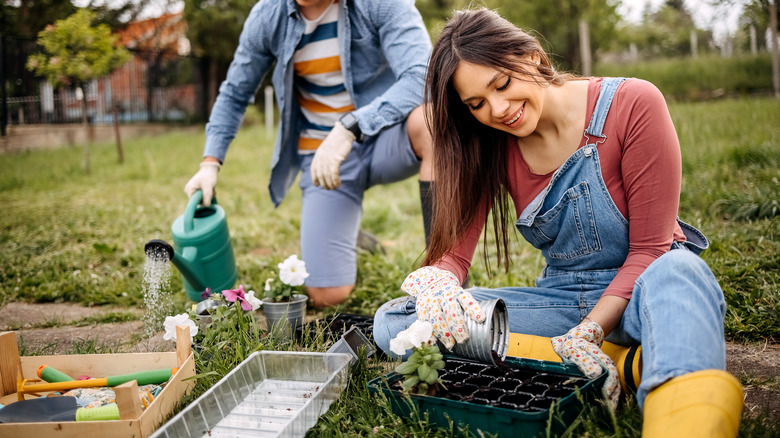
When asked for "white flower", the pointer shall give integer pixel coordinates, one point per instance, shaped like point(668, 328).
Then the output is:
point(413, 337)
point(253, 300)
point(268, 283)
point(181, 319)
point(293, 271)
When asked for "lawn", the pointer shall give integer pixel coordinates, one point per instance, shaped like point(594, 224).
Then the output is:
point(68, 236)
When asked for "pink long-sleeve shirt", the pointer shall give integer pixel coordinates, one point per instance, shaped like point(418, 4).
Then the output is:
point(641, 166)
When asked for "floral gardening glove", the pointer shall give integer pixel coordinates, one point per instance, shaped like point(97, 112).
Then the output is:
point(581, 346)
point(442, 302)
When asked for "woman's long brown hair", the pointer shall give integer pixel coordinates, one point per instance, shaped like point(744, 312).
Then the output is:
point(469, 157)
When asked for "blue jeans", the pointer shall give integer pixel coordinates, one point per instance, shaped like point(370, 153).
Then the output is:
point(676, 313)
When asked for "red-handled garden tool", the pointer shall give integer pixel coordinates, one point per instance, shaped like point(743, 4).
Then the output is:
point(29, 386)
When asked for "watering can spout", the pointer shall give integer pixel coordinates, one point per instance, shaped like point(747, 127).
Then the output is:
point(185, 265)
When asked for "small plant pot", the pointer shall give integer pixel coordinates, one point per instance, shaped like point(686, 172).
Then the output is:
point(203, 312)
point(488, 342)
point(286, 315)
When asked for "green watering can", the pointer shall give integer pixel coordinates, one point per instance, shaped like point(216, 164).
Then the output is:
point(203, 252)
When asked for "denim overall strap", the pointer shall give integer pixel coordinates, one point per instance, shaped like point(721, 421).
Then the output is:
point(574, 221)
point(596, 125)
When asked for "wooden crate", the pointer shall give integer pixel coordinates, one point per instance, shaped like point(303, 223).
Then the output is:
point(134, 422)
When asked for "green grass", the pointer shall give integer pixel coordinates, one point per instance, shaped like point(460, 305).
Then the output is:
point(701, 78)
point(72, 237)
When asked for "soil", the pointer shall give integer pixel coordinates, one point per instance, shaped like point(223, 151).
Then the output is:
point(56, 328)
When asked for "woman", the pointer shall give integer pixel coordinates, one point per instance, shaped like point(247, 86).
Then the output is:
point(593, 168)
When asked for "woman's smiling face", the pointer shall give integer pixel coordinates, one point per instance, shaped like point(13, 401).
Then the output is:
point(499, 100)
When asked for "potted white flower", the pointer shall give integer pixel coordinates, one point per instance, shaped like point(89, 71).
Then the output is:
point(283, 298)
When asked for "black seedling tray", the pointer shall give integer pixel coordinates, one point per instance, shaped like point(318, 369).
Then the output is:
point(510, 388)
point(512, 399)
point(334, 327)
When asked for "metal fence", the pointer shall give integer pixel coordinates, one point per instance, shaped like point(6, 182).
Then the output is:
point(151, 87)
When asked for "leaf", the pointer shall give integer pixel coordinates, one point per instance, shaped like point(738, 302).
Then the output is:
point(433, 375)
point(423, 371)
point(406, 368)
point(414, 357)
point(409, 383)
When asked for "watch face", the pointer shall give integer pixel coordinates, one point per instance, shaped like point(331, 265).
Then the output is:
point(351, 123)
point(348, 120)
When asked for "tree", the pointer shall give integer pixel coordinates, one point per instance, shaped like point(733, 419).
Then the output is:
point(74, 53)
point(28, 17)
point(557, 24)
point(213, 28)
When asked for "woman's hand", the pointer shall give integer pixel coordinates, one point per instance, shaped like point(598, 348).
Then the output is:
point(581, 346)
point(442, 302)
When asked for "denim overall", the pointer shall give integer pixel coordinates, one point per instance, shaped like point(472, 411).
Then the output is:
point(677, 307)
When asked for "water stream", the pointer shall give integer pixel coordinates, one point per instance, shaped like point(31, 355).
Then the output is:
point(157, 291)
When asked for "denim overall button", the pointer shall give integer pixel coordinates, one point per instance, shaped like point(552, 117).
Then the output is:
point(588, 151)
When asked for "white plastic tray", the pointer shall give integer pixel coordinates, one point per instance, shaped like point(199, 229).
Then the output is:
point(270, 394)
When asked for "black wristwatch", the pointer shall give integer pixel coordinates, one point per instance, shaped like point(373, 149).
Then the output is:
point(351, 123)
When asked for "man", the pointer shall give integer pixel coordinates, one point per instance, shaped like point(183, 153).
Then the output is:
point(348, 76)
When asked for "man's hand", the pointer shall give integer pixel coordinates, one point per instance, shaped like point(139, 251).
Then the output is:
point(205, 180)
point(581, 346)
point(442, 302)
point(330, 154)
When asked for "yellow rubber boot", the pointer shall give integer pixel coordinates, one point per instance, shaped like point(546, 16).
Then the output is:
point(702, 404)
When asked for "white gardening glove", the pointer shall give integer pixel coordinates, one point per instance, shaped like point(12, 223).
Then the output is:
point(581, 346)
point(442, 302)
point(205, 180)
point(327, 160)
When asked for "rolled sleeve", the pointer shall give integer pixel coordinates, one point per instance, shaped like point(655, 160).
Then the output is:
point(406, 46)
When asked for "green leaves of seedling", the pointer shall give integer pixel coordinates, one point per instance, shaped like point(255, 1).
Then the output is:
point(406, 368)
point(420, 370)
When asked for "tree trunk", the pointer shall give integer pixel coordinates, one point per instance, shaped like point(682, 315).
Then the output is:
point(213, 84)
point(85, 124)
point(115, 113)
point(585, 48)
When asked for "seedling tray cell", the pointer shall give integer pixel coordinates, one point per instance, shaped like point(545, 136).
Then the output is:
point(516, 399)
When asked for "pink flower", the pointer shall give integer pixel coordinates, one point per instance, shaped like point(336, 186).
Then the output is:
point(234, 295)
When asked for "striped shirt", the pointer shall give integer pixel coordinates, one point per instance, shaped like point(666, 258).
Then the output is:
point(319, 82)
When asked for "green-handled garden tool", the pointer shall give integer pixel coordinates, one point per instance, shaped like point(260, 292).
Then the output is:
point(55, 409)
point(29, 386)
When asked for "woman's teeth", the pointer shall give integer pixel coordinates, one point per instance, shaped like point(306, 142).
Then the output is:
point(514, 119)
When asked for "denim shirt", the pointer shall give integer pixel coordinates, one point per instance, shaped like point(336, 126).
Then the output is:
point(384, 54)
